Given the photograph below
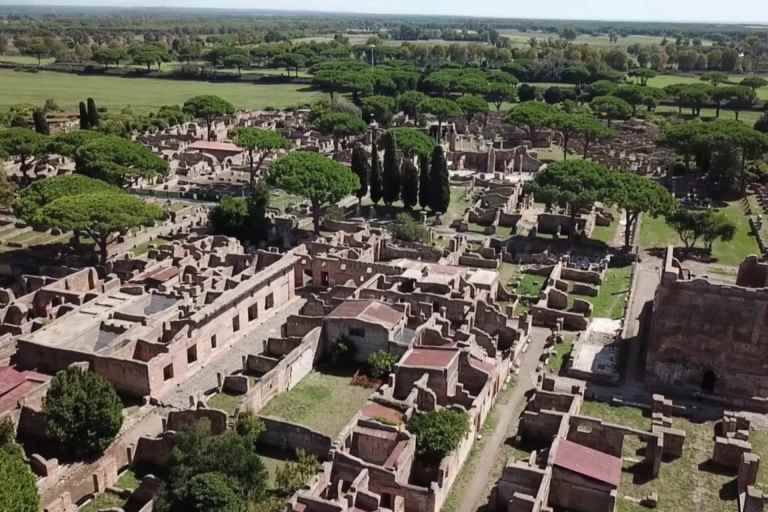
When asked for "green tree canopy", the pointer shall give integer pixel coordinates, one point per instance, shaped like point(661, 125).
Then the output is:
point(412, 141)
point(532, 116)
point(439, 180)
point(472, 105)
point(340, 125)
point(611, 108)
point(242, 217)
point(23, 145)
point(210, 492)
point(439, 432)
point(83, 412)
point(361, 168)
point(636, 194)
point(18, 486)
point(443, 109)
point(577, 184)
point(101, 215)
point(410, 102)
point(258, 140)
point(118, 161)
point(379, 108)
point(208, 107)
point(320, 180)
point(231, 455)
point(43, 192)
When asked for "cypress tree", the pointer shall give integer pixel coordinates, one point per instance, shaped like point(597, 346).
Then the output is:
point(424, 181)
point(360, 168)
point(84, 121)
point(93, 114)
point(41, 123)
point(410, 179)
point(374, 178)
point(391, 177)
point(440, 187)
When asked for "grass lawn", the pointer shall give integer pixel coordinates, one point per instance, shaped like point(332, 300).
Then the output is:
point(227, 402)
point(321, 401)
point(670, 79)
point(687, 483)
point(141, 94)
point(558, 358)
point(656, 233)
point(25, 59)
point(104, 500)
point(128, 480)
point(610, 301)
point(607, 233)
point(749, 117)
point(458, 203)
point(281, 200)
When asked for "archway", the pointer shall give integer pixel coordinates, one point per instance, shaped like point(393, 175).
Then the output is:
point(708, 382)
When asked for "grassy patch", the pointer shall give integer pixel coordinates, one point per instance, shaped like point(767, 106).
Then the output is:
point(656, 233)
point(669, 79)
point(272, 464)
point(282, 200)
point(227, 402)
point(748, 117)
point(531, 284)
point(141, 94)
point(560, 355)
point(610, 301)
point(128, 480)
point(459, 203)
point(321, 401)
point(687, 483)
point(104, 500)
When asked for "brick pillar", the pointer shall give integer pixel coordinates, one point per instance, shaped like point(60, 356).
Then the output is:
point(748, 468)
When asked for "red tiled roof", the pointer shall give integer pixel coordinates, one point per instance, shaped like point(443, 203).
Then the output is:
point(588, 462)
point(431, 358)
point(15, 385)
point(368, 310)
point(9, 379)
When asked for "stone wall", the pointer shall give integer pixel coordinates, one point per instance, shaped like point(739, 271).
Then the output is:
point(288, 437)
point(708, 336)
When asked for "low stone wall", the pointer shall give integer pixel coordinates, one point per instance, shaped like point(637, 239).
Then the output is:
point(182, 420)
point(287, 437)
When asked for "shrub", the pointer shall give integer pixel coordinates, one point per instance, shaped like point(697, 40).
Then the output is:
point(292, 477)
point(381, 364)
point(83, 412)
point(439, 432)
point(407, 229)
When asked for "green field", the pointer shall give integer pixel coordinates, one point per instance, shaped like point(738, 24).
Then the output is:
point(669, 79)
point(519, 38)
point(655, 233)
point(141, 94)
point(25, 59)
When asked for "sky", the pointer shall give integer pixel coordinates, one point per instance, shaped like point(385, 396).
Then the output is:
point(732, 11)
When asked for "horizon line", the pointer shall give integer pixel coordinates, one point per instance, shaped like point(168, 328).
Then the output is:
point(756, 25)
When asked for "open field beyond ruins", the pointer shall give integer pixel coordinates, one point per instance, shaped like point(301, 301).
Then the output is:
point(140, 94)
point(382, 263)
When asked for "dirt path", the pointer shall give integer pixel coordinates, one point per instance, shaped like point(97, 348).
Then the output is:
point(476, 490)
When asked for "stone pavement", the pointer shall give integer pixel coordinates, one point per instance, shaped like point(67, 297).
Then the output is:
point(230, 360)
point(475, 493)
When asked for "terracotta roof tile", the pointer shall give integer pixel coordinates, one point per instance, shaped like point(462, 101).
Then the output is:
point(588, 462)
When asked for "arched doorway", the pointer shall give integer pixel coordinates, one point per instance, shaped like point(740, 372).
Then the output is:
point(708, 382)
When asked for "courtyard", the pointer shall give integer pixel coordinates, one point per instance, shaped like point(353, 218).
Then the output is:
point(324, 402)
point(691, 482)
